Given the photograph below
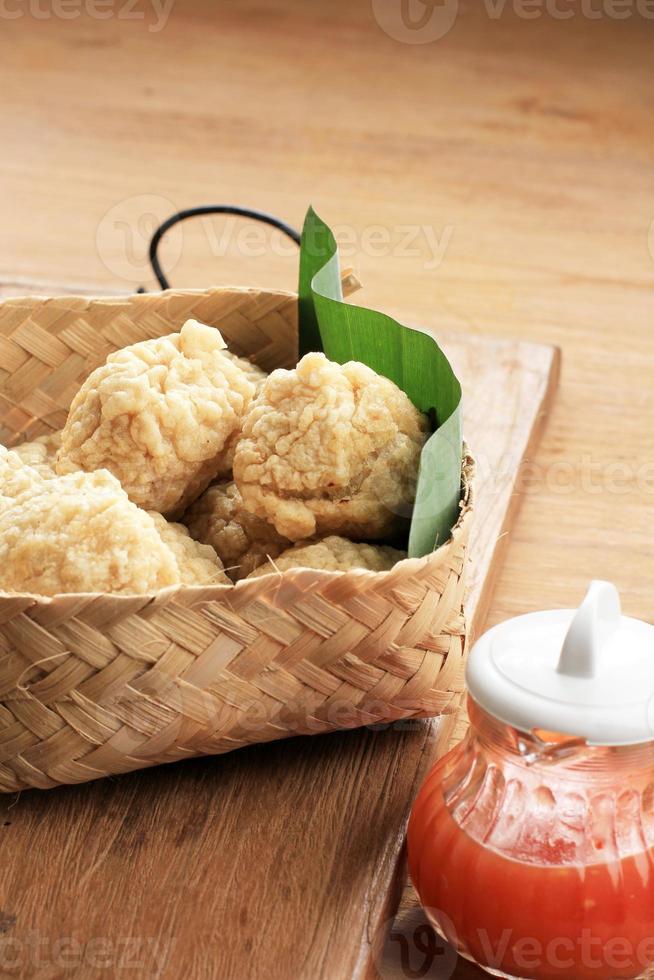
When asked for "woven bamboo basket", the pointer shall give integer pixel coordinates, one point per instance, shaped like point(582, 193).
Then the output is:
point(92, 685)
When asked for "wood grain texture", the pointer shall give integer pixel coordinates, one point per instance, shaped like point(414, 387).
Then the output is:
point(516, 151)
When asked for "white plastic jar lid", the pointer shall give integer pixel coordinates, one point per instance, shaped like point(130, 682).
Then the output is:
point(587, 673)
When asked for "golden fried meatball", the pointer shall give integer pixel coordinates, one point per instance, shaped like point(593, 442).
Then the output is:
point(198, 564)
point(159, 415)
point(253, 372)
point(330, 448)
point(242, 540)
point(16, 478)
point(41, 453)
point(76, 533)
point(333, 554)
point(257, 376)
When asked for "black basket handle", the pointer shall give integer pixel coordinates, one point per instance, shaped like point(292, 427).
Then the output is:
point(263, 216)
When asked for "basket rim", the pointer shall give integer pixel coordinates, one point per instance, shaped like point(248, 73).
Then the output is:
point(348, 276)
point(205, 593)
point(118, 298)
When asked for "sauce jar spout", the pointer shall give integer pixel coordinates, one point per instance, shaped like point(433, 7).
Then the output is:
point(585, 673)
point(595, 622)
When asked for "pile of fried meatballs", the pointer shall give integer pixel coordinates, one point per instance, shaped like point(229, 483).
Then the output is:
point(181, 463)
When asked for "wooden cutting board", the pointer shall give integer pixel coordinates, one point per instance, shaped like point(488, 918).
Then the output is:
point(281, 861)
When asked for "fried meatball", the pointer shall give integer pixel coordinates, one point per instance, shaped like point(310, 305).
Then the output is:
point(198, 564)
point(81, 533)
point(333, 554)
point(329, 448)
point(41, 453)
point(158, 415)
point(16, 479)
point(252, 371)
point(76, 533)
point(241, 540)
point(257, 376)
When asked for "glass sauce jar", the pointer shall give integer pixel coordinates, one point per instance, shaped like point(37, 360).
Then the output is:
point(533, 851)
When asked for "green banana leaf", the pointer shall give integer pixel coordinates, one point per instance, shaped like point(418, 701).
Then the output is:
point(410, 358)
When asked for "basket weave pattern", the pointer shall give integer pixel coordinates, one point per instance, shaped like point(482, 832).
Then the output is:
point(98, 684)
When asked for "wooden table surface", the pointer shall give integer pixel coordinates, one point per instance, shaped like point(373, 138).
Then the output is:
point(497, 180)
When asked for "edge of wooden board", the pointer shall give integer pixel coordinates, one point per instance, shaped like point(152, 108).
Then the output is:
point(479, 616)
